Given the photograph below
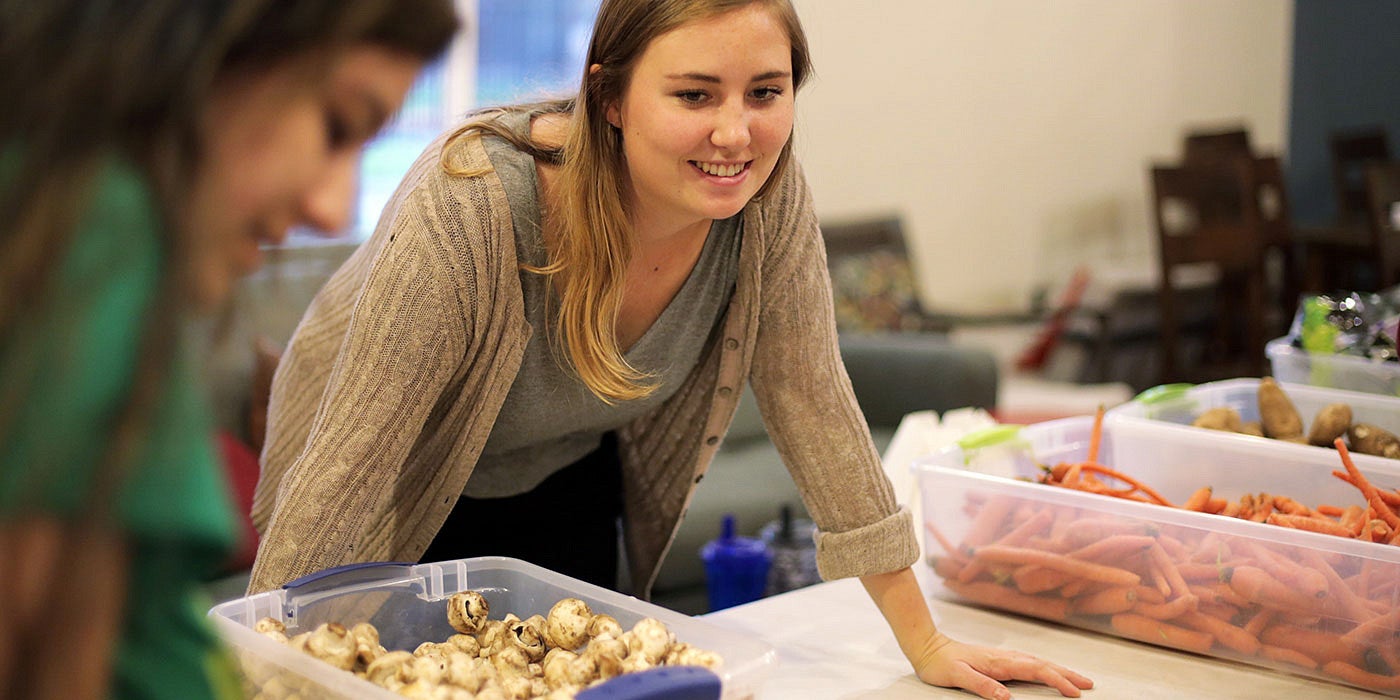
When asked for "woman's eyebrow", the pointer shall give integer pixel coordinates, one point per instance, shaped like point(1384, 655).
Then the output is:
point(707, 78)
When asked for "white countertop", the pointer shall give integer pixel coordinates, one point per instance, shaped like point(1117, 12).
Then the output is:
point(832, 642)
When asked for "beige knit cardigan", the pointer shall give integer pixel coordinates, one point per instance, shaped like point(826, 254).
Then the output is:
point(390, 385)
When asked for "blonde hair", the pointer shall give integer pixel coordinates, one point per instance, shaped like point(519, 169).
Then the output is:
point(592, 241)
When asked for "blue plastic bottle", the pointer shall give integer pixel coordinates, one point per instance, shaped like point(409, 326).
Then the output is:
point(736, 568)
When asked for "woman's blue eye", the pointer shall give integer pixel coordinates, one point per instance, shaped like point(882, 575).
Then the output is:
point(767, 93)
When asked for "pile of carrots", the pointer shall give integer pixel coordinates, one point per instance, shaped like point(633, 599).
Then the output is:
point(1377, 522)
point(1186, 588)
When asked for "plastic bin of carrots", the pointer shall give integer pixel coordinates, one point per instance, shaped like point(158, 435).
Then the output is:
point(1114, 530)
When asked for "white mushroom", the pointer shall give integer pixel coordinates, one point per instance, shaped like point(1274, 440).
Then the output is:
point(529, 639)
point(517, 687)
point(493, 637)
point(332, 643)
point(565, 692)
point(683, 654)
point(367, 647)
point(431, 667)
point(466, 611)
point(510, 661)
point(604, 625)
point(557, 664)
point(636, 662)
point(391, 670)
point(464, 643)
point(597, 662)
point(492, 692)
point(461, 671)
point(269, 627)
point(650, 638)
point(567, 624)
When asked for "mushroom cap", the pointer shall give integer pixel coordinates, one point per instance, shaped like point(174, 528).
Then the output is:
point(567, 624)
point(529, 639)
point(394, 668)
point(651, 638)
point(332, 643)
point(604, 625)
point(466, 611)
point(464, 643)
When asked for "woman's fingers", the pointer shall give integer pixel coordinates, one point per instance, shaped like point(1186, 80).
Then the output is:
point(979, 670)
point(978, 683)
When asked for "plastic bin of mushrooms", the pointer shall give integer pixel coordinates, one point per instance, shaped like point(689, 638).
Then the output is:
point(552, 657)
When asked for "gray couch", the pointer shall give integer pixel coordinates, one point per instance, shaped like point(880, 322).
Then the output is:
point(893, 374)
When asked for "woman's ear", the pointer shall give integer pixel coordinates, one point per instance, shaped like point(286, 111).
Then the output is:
point(611, 112)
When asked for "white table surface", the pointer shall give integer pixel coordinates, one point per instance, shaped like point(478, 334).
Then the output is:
point(832, 642)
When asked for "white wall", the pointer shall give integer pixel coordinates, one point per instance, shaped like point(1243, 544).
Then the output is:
point(1014, 135)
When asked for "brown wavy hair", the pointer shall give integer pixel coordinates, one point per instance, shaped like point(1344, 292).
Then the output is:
point(91, 82)
point(589, 252)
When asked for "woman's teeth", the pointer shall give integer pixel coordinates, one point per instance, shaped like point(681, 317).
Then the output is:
point(719, 169)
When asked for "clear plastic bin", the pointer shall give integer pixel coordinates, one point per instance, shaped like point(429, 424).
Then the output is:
point(407, 603)
point(1175, 406)
point(975, 497)
point(1298, 366)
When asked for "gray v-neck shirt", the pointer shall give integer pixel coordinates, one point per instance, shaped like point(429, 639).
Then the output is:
point(550, 419)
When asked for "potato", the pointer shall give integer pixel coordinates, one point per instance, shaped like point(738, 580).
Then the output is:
point(1219, 418)
point(1373, 440)
point(1331, 423)
point(1252, 428)
point(1276, 411)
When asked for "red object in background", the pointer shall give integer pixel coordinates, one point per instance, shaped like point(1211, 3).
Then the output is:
point(1034, 357)
point(241, 468)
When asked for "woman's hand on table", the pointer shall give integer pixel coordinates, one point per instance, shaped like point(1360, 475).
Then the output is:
point(980, 670)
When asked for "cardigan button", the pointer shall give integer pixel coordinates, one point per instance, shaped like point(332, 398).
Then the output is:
point(732, 344)
point(698, 477)
point(712, 440)
point(725, 391)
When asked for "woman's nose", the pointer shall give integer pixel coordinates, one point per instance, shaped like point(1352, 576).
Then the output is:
point(328, 204)
point(731, 131)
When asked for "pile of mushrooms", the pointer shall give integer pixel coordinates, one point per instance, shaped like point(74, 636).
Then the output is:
point(551, 657)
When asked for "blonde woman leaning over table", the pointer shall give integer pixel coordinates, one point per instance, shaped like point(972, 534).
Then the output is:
point(552, 325)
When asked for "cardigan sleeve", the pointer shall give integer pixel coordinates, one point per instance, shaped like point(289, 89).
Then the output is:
point(807, 402)
point(388, 365)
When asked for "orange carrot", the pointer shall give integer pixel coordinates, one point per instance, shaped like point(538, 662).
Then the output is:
point(1075, 567)
point(944, 543)
point(1309, 523)
point(1078, 587)
point(1392, 498)
point(1357, 676)
point(1149, 594)
point(1330, 511)
point(1198, 500)
point(1016, 537)
point(945, 567)
point(1146, 629)
point(1367, 489)
point(1261, 619)
point(1032, 579)
point(1081, 532)
point(1192, 571)
point(1297, 578)
point(1116, 547)
point(1257, 586)
point(1229, 636)
point(1286, 655)
point(1321, 646)
point(1351, 603)
point(992, 595)
point(1169, 571)
point(1217, 592)
point(1221, 611)
point(1169, 610)
point(1377, 631)
point(988, 521)
point(1109, 601)
point(1096, 437)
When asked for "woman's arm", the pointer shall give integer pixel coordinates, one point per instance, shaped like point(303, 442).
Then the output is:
point(58, 628)
point(939, 660)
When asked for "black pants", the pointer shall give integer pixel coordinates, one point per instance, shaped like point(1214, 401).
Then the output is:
point(568, 524)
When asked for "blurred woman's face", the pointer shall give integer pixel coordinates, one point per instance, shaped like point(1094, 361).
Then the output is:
point(281, 149)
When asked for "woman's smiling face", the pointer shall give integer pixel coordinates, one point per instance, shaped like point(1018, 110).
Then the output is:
point(707, 111)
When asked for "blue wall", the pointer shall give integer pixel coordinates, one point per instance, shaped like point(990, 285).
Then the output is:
point(1346, 74)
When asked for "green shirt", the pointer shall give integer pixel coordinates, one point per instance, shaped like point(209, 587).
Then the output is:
point(75, 358)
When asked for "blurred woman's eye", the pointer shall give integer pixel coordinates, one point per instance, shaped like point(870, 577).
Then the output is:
point(338, 131)
point(764, 94)
point(694, 97)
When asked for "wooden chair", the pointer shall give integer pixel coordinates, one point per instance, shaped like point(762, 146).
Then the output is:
point(1200, 146)
point(1382, 182)
point(1190, 231)
point(1351, 151)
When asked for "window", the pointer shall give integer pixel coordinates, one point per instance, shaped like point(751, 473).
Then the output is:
point(513, 50)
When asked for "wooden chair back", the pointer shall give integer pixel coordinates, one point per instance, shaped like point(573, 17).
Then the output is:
point(1382, 201)
point(1351, 152)
point(1194, 227)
